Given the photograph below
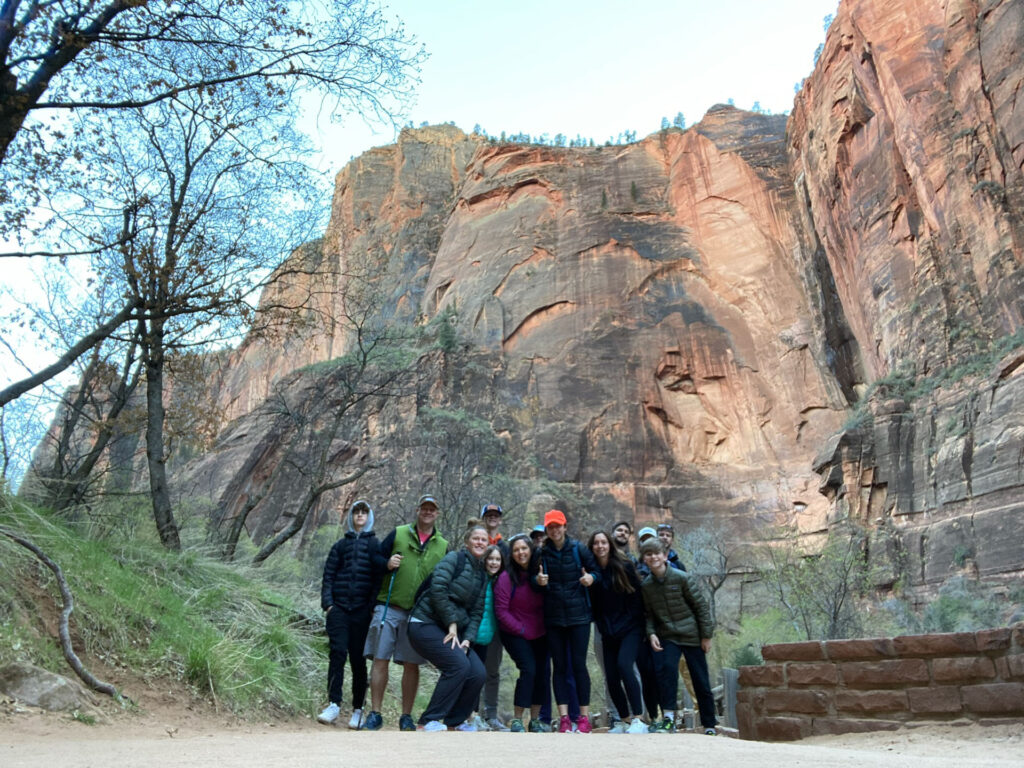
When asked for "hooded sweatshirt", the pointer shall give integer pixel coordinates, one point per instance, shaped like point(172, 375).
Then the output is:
point(352, 573)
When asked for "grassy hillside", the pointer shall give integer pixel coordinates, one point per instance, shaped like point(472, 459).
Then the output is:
point(224, 630)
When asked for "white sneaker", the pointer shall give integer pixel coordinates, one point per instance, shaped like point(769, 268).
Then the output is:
point(637, 726)
point(618, 727)
point(356, 720)
point(466, 727)
point(435, 725)
point(330, 714)
point(479, 724)
point(495, 724)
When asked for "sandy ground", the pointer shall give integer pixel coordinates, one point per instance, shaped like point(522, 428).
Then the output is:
point(171, 737)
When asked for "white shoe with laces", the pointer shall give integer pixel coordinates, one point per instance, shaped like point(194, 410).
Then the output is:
point(435, 725)
point(356, 721)
point(330, 714)
point(618, 727)
point(637, 726)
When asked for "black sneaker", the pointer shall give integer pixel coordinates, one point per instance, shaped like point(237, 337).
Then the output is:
point(374, 722)
point(405, 723)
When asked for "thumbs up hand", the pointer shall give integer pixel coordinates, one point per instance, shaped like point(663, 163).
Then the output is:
point(587, 578)
point(542, 577)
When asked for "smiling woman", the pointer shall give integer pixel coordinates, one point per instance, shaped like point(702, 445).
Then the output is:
point(444, 624)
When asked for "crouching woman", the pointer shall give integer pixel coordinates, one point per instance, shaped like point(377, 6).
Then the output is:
point(443, 626)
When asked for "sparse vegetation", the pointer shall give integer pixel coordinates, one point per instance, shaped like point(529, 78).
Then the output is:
point(242, 644)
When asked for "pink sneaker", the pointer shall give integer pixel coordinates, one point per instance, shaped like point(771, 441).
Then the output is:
point(583, 724)
point(564, 724)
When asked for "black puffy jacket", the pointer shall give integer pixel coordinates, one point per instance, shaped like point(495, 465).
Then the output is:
point(352, 573)
point(566, 601)
point(455, 595)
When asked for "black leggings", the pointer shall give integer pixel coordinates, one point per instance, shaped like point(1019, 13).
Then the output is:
point(530, 657)
point(620, 655)
point(565, 643)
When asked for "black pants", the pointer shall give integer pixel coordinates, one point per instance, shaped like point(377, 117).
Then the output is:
point(530, 658)
point(462, 675)
point(620, 655)
point(568, 645)
point(667, 664)
point(346, 635)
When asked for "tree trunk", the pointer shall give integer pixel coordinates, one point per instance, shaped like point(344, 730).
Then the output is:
point(166, 525)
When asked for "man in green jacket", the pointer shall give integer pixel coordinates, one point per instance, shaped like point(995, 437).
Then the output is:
point(409, 554)
point(679, 623)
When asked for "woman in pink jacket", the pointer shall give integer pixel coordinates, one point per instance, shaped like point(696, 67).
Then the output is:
point(520, 611)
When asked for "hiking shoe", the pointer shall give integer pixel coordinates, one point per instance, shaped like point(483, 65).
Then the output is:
point(516, 726)
point(637, 726)
point(537, 726)
point(435, 725)
point(583, 725)
point(467, 727)
point(618, 727)
point(494, 724)
point(665, 725)
point(374, 722)
point(330, 714)
point(479, 724)
point(356, 720)
point(710, 732)
point(564, 724)
point(405, 723)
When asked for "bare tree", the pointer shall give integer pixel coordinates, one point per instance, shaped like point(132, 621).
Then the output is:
point(708, 551)
point(61, 55)
point(818, 589)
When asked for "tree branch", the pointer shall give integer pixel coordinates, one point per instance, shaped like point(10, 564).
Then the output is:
point(65, 636)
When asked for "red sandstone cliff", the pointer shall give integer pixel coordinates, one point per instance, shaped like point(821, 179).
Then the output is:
point(682, 327)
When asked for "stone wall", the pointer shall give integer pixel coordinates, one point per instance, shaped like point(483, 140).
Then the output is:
point(843, 686)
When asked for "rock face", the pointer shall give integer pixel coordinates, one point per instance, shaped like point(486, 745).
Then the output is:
point(752, 320)
point(906, 146)
point(38, 688)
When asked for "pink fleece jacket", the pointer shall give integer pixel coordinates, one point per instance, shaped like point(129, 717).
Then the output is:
point(522, 613)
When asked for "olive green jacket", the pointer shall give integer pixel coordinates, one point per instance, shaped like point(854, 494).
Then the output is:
point(676, 609)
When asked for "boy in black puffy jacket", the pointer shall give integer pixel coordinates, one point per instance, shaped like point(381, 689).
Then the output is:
point(350, 583)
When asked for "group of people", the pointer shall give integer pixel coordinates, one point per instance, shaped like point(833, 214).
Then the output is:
point(409, 600)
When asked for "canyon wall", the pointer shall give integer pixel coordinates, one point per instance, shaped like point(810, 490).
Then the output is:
point(756, 320)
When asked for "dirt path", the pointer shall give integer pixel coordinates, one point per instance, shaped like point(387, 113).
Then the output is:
point(37, 741)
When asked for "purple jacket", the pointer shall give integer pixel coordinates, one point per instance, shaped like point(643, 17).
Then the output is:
point(522, 613)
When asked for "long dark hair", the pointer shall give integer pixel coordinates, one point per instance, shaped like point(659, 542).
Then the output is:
point(618, 564)
point(516, 572)
point(487, 553)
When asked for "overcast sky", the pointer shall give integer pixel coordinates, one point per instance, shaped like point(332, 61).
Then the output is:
point(594, 68)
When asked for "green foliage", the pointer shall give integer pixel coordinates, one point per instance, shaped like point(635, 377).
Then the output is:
point(962, 605)
point(743, 646)
point(447, 335)
point(222, 629)
point(818, 590)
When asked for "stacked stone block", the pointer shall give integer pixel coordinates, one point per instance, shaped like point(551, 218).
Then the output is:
point(843, 686)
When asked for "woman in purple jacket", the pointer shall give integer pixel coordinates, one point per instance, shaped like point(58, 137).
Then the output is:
point(520, 611)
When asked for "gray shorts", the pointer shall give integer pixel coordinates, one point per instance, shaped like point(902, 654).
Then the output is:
point(391, 641)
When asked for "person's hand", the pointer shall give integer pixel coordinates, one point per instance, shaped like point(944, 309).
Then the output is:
point(465, 645)
point(587, 578)
point(542, 578)
point(655, 643)
point(394, 561)
point(705, 644)
point(452, 638)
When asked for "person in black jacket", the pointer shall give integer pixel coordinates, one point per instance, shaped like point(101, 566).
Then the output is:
point(350, 582)
point(443, 626)
point(619, 616)
point(565, 571)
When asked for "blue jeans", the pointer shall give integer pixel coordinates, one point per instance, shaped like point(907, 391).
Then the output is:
point(667, 665)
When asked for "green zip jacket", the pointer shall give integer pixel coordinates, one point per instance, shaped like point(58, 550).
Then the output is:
point(417, 563)
point(676, 609)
